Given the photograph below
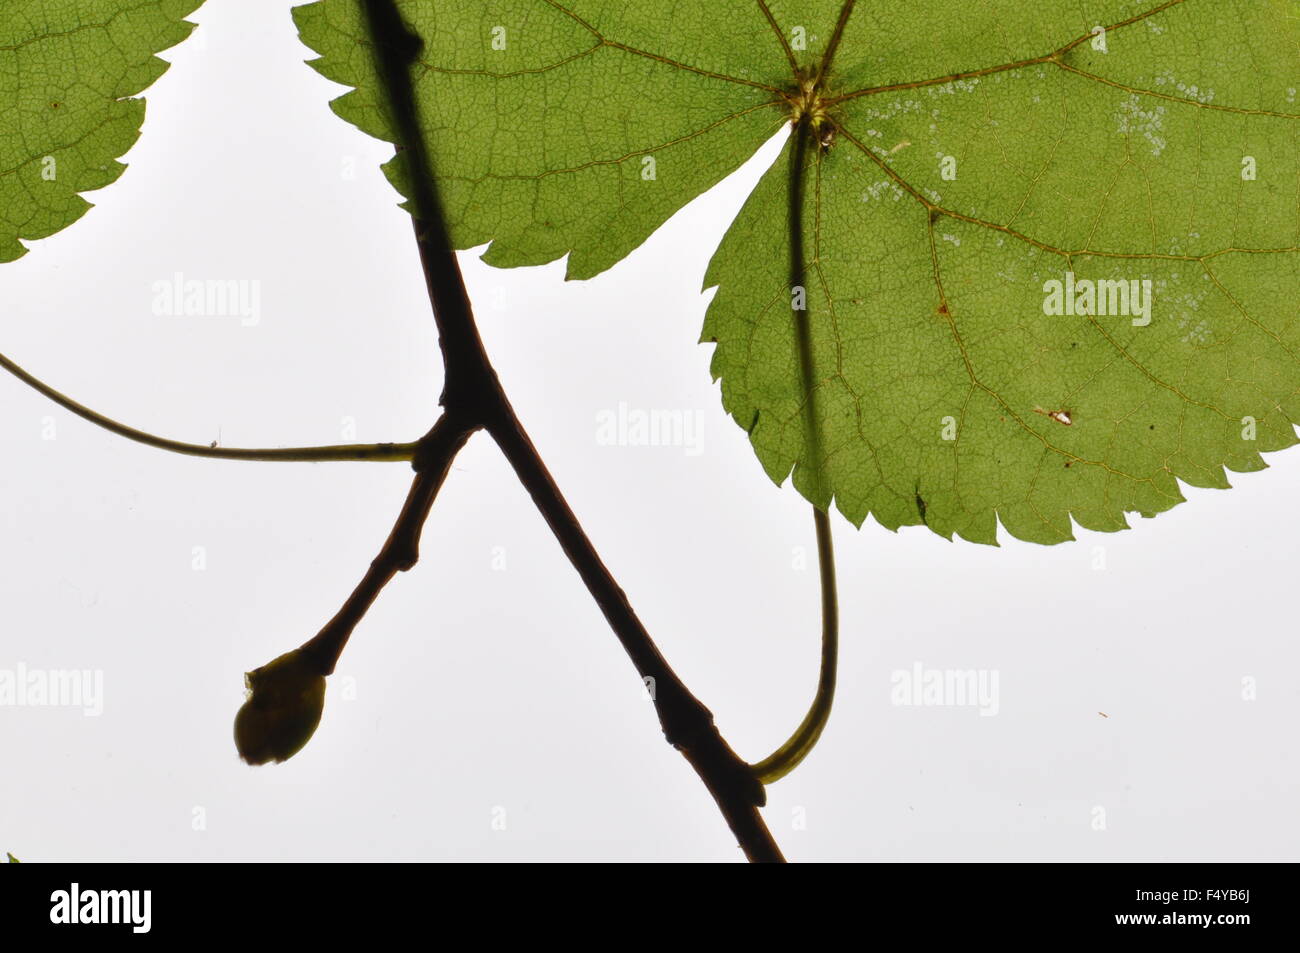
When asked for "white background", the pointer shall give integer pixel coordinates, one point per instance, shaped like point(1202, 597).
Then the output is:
point(479, 689)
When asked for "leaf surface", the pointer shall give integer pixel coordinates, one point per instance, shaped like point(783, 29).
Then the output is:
point(68, 72)
point(970, 154)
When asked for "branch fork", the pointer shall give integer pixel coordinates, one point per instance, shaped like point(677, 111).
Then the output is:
point(473, 400)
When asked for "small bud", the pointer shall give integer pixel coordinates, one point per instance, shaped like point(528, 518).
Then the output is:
point(285, 701)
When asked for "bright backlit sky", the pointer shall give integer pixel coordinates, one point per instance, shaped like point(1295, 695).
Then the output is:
point(485, 685)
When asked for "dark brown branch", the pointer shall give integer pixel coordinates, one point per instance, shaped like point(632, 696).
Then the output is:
point(434, 455)
point(687, 724)
point(473, 395)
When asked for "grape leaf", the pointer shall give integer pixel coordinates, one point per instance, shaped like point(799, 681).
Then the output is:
point(67, 71)
point(968, 156)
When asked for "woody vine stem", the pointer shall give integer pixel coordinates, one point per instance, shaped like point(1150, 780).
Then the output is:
point(473, 400)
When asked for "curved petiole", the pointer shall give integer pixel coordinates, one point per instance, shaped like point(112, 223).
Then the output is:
point(381, 452)
point(784, 760)
point(787, 757)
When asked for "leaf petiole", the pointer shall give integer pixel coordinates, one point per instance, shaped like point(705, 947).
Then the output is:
point(787, 757)
point(381, 452)
point(784, 760)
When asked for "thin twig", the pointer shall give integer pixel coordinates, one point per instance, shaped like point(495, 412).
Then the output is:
point(687, 724)
point(472, 390)
point(402, 550)
point(381, 452)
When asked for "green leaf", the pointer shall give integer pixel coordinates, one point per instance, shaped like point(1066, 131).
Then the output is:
point(539, 146)
point(67, 71)
point(12, 858)
point(1164, 149)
